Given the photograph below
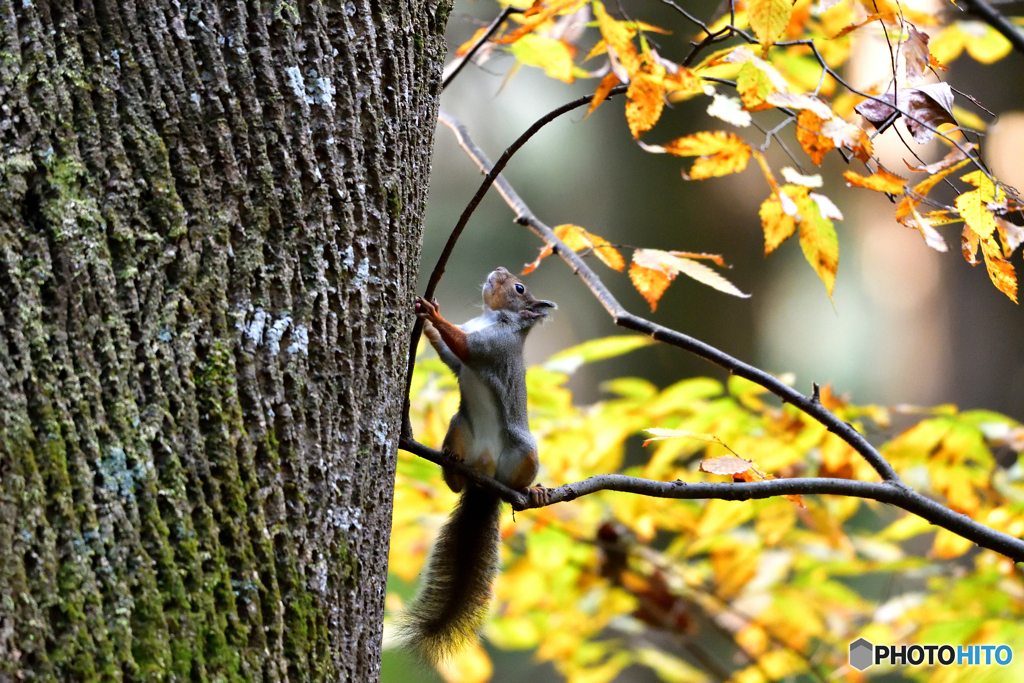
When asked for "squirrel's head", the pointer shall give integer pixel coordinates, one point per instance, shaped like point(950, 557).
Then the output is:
point(505, 292)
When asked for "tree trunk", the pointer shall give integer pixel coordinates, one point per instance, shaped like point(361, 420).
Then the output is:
point(210, 222)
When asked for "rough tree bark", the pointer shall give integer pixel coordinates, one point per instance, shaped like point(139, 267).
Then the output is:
point(210, 220)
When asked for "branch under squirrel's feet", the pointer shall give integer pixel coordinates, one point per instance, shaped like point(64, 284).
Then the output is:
point(538, 495)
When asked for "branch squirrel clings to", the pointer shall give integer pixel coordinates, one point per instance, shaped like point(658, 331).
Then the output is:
point(490, 433)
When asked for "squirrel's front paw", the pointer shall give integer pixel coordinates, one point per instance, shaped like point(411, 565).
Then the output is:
point(538, 495)
point(426, 309)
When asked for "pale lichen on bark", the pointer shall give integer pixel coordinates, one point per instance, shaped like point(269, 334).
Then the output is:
point(210, 221)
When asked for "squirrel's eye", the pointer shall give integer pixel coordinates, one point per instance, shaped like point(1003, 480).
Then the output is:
point(520, 289)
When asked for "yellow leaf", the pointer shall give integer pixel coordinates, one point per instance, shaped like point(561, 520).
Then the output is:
point(720, 153)
point(880, 181)
point(1000, 271)
point(808, 134)
point(577, 239)
point(646, 98)
point(754, 86)
point(547, 53)
point(974, 212)
point(769, 19)
point(777, 223)
point(464, 48)
point(819, 243)
point(948, 545)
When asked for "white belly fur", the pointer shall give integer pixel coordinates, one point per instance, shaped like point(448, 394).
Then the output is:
point(480, 404)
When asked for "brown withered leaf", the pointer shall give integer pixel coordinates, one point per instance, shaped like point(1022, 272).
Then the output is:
point(926, 108)
point(915, 54)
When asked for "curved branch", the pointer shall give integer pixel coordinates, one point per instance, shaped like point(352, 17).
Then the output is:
point(904, 498)
point(455, 67)
point(493, 173)
point(623, 318)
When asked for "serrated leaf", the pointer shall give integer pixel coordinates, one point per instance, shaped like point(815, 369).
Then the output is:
point(753, 86)
point(808, 134)
point(819, 243)
point(768, 19)
point(777, 224)
point(719, 153)
point(650, 282)
point(672, 264)
point(1000, 271)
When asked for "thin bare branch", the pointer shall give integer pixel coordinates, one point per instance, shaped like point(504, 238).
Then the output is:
point(901, 497)
point(455, 67)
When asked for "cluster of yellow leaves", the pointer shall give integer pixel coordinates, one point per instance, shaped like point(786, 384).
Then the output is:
point(584, 581)
point(789, 77)
point(980, 210)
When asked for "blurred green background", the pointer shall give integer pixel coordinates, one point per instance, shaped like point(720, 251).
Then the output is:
point(906, 325)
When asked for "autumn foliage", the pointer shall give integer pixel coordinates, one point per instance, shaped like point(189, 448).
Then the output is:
point(594, 586)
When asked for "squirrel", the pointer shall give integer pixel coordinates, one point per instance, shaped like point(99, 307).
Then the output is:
point(490, 433)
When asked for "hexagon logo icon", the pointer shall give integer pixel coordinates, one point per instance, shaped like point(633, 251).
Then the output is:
point(862, 654)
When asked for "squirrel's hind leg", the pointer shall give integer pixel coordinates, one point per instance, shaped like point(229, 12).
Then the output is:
point(455, 447)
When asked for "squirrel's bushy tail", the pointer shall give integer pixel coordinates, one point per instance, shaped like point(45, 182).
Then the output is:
point(455, 586)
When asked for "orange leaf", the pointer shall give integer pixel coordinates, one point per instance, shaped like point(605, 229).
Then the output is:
point(1000, 271)
point(646, 99)
point(880, 181)
point(601, 94)
point(969, 241)
point(650, 282)
point(618, 38)
point(465, 47)
point(808, 134)
point(577, 239)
